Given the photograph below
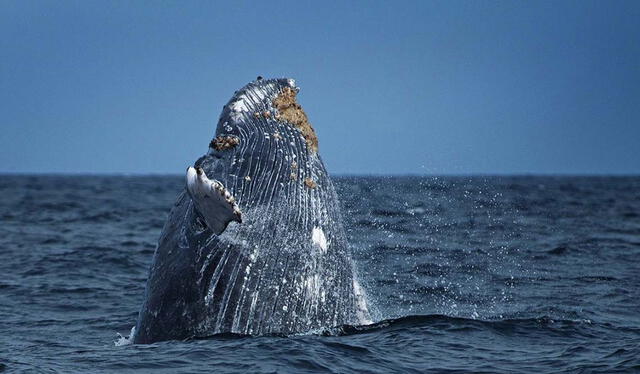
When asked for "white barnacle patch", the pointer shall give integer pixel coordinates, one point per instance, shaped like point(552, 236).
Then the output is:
point(318, 238)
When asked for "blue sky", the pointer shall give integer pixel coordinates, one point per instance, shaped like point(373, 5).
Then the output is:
point(391, 87)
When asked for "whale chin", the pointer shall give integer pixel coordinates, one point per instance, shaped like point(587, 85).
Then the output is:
point(255, 243)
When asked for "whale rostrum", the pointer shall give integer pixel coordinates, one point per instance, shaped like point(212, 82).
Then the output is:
point(255, 243)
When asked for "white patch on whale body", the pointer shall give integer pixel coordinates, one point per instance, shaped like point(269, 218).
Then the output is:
point(251, 98)
point(239, 105)
point(318, 238)
point(191, 179)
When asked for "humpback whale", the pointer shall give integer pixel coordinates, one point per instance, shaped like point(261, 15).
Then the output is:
point(255, 242)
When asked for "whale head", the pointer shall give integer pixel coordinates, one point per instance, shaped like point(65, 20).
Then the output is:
point(255, 243)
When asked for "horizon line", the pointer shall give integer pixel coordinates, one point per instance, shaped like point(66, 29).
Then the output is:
point(339, 175)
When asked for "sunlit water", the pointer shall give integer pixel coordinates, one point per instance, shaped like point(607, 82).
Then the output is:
point(527, 274)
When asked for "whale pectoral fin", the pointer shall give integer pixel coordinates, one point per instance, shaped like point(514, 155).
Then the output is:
point(212, 200)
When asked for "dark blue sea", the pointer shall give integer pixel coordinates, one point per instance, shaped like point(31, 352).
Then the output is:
point(463, 274)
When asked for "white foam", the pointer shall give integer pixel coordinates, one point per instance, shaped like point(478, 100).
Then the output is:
point(125, 340)
point(361, 303)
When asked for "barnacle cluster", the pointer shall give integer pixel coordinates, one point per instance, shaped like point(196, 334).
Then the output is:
point(220, 143)
point(310, 183)
point(290, 111)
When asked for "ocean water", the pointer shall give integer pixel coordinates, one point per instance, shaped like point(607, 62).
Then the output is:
point(463, 274)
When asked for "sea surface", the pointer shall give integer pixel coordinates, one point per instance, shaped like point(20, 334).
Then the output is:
point(463, 274)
